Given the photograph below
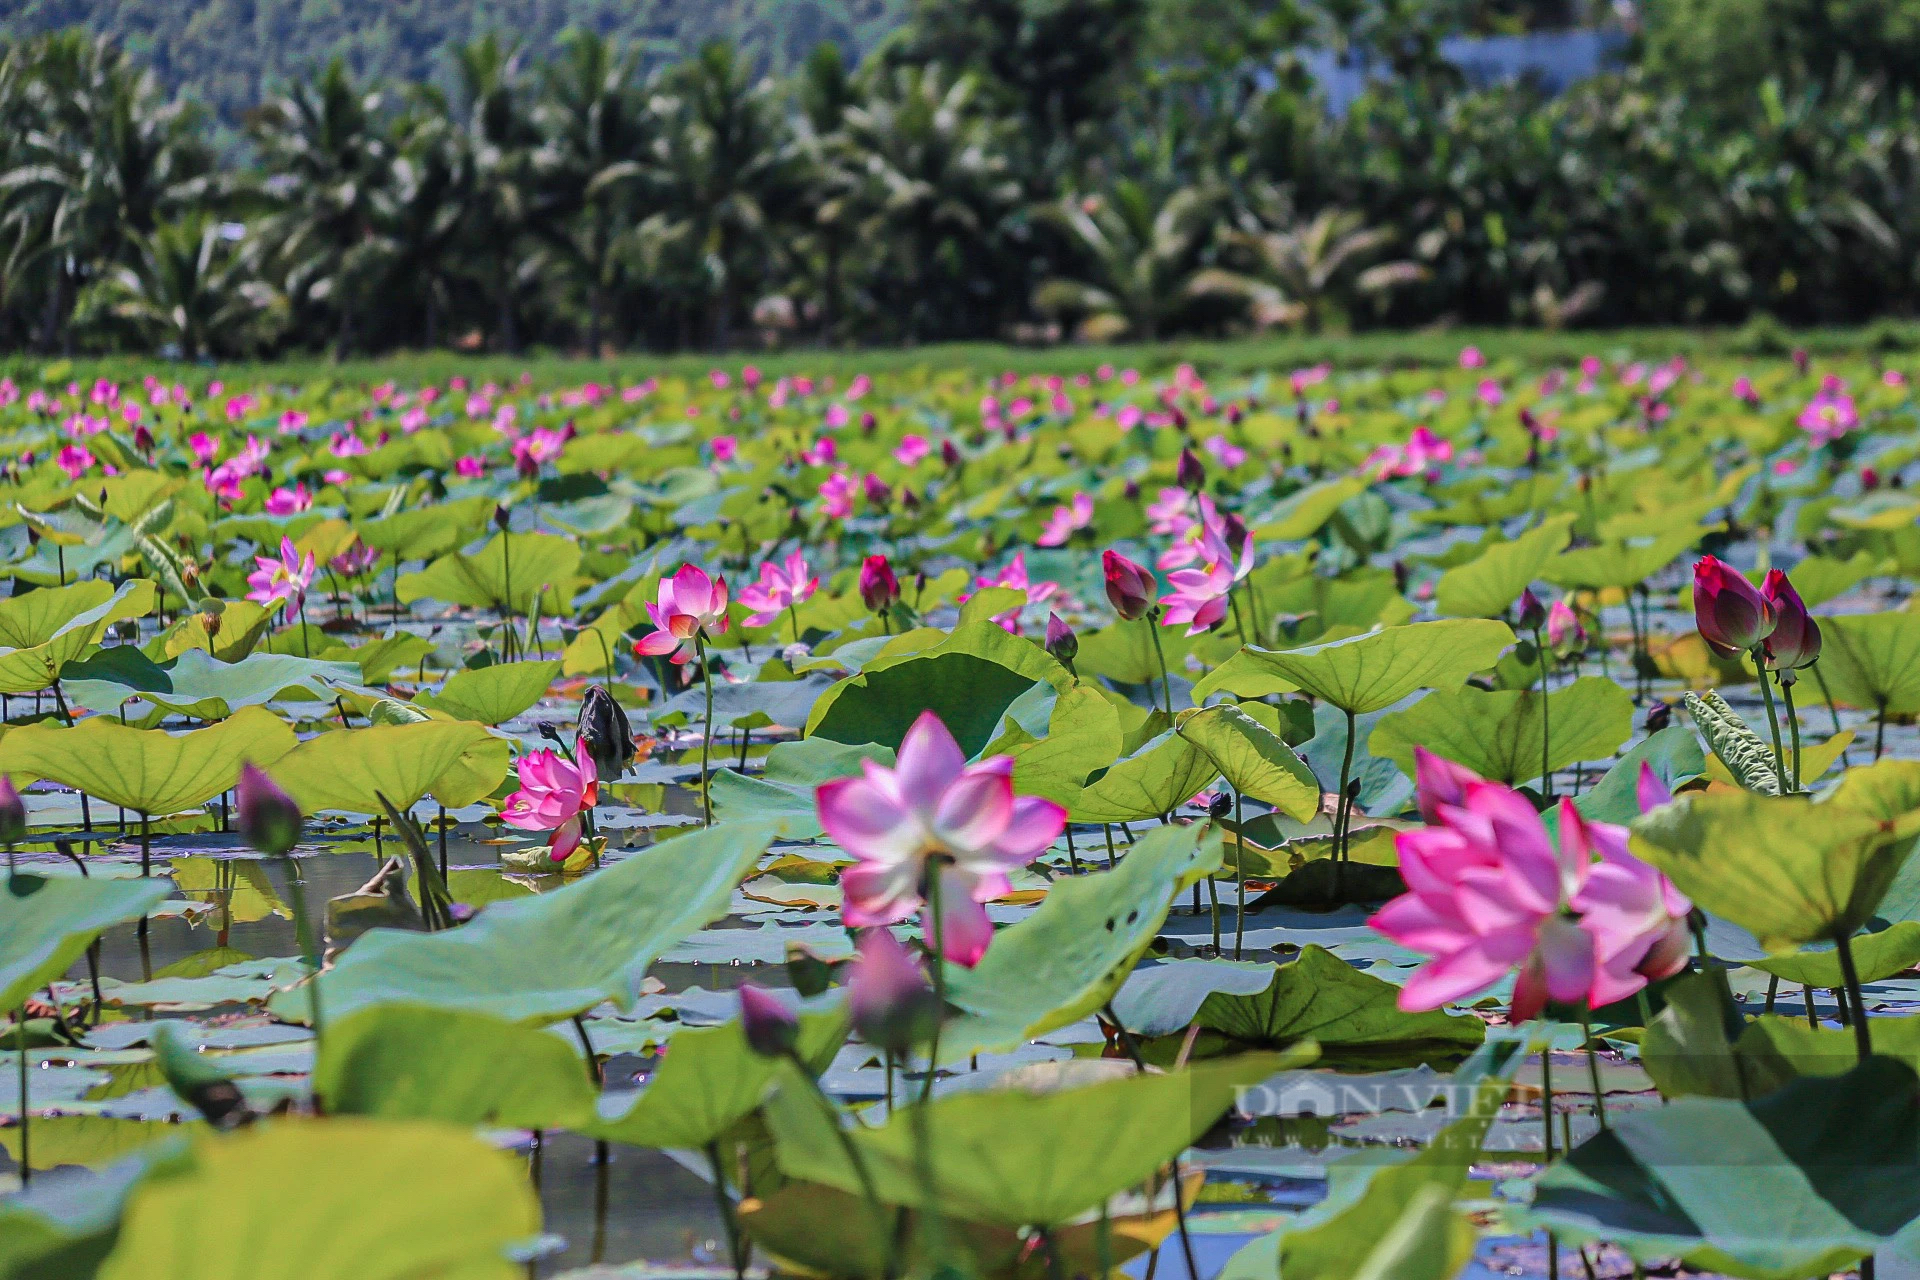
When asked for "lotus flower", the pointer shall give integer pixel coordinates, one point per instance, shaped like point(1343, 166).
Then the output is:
point(554, 795)
point(888, 999)
point(285, 577)
point(836, 496)
point(74, 459)
point(1731, 614)
point(1829, 415)
point(779, 588)
point(1422, 451)
point(470, 466)
point(770, 1027)
point(1067, 521)
point(1199, 598)
point(934, 814)
point(1564, 631)
point(1795, 639)
point(1130, 587)
point(878, 586)
point(269, 819)
point(1014, 577)
point(690, 605)
point(911, 450)
point(285, 502)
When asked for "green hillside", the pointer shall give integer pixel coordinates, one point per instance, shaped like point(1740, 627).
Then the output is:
point(228, 52)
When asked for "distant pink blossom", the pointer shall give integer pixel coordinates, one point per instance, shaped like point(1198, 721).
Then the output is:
point(74, 459)
point(910, 450)
point(836, 496)
point(1228, 454)
point(470, 466)
point(283, 577)
point(725, 449)
point(1829, 415)
point(1423, 451)
point(285, 502)
point(1471, 358)
point(779, 588)
point(1065, 521)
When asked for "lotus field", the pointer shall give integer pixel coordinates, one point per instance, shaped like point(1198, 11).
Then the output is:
point(1392, 823)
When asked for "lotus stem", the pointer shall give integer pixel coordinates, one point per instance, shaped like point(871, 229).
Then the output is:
point(706, 731)
point(1166, 682)
point(729, 1215)
point(1832, 710)
point(852, 1152)
point(939, 967)
point(1880, 730)
point(1773, 720)
point(1240, 873)
point(20, 1048)
point(1793, 722)
point(1140, 1067)
point(793, 619)
point(1593, 1069)
point(1546, 735)
point(1213, 897)
point(1862, 1035)
point(302, 931)
point(1112, 857)
point(1343, 807)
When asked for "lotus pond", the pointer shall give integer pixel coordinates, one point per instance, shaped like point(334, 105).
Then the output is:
point(1331, 823)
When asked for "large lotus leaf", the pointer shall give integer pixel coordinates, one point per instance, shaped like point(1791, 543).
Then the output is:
point(784, 790)
point(1083, 736)
point(380, 659)
point(1373, 671)
point(1254, 759)
point(1788, 870)
point(1322, 998)
point(199, 685)
point(64, 1227)
point(509, 572)
point(1819, 579)
point(238, 627)
point(1072, 954)
point(476, 774)
point(1361, 1225)
point(1125, 651)
point(421, 1063)
point(46, 922)
point(969, 679)
point(1618, 564)
point(44, 630)
point(1016, 1158)
point(1873, 661)
point(406, 1199)
point(146, 770)
point(1304, 512)
point(492, 695)
point(1486, 586)
point(1875, 956)
point(1676, 758)
point(1802, 1182)
point(709, 1081)
point(1498, 734)
point(751, 704)
point(349, 770)
point(556, 954)
point(424, 532)
point(1163, 774)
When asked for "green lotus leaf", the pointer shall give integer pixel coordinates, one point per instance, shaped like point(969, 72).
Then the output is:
point(1306, 511)
point(1020, 1158)
point(421, 533)
point(199, 685)
point(1828, 1158)
point(1789, 870)
point(1124, 651)
point(149, 771)
point(492, 695)
point(969, 678)
point(1676, 758)
point(422, 1199)
point(379, 660)
point(1322, 998)
point(1083, 736)
point(1487, 586)
point(42, 631)
point(240, 627)
point(1819, 579)
point(350, 769)
point(1498, 734)
point(1373, 671)
point(509, 573)
point(65, 1227)
point(47, 922)
point(1872, 661)
point(1618, 564)
point(784, 790)
point(540, 959)
point(1254, 760)
point(1073, 953)
point(1876, 956)
point(1159, 777)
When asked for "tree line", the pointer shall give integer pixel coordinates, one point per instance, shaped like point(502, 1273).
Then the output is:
point(991, 171)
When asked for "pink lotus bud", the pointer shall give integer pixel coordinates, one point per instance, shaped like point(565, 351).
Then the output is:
point(1191, 473)
point(771, 1028)
point(1795, 640)
point(1130, 587)
point(1532, 614)
point(269, 819)
point(878, 587)
point(1061, 642)
point(887, 994)
point(13, 813)
point(1731, 614)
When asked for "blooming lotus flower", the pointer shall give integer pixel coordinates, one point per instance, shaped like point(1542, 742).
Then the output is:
point(1635, 916)
point(285, 577)
point(285, 502)
point(205, 447)
point(554, 794)
point(1225, 452)
point(879, 587)
point(470, 466)
point(779, 588)
point(1199, 597)
point(934, 814)
point(74, 459)
point(1171, 512)
point(725, 449)
point(292, 421)
point(536, 449)
point(1471, 358)
point(1130, 586)
point(1422, 451)
point(690, 605)
point(1794, 641)
point(1014, 576)
point(911, 450)
point(1743, 390)
point(1066, 521)
point(1829, 415)
point(1731, 614)
point(1564, 631)
point(836, 496)
point(358, 559)
point(821, 452)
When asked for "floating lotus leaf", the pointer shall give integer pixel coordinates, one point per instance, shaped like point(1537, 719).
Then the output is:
point(42, 631)
point(1372, 672)
point(147, 770)
point(349, 770)
point(1498, 734)
point(492, 695)
point(510, 572)
point(198, 685)
point(1487, 586)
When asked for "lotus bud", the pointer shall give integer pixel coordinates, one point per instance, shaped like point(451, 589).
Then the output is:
point(1234, 414)
point(501, 518)
point(269, 819)
point(1190, 473)
point(13, 813)
point(879, 493)
point(1800, 360)
point(1219, 805)
point(1732, 615)
point(867, 423)
point(887, 994)
point(1130, 587)
point(1439, 782)
point(1533, 614)
point(607, 733)
point(1795, 640)
point(1132, 491)
point(1659, 716)
point(1564, 631)
point(771, 1028)
point(1061, 642)
point(878, 587)
point(950, 454)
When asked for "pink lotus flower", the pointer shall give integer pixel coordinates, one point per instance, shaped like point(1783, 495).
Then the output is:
point(1422, 451)
point(910, 450)
point(1200, 597)
point(223, 481)
point(285, 502)
point(74, 459)
point(1829, 415)
point(725, 449)
point(1490, 392)
point(1228, 454)
point(344, 444)
point(836, 496)
point(779, 588)
point(291, 421)
point(1066, 521)
point(357, 560)
point(1171, 512)
point(1489, 893)
point(1015, 577)
point(690, 606)
point(553, 796)
point(205, 447)
point(286, 577)
point(1471, 358)
point(934, 814)
point(536, 449)
point(1563, 626)
point(470, 466)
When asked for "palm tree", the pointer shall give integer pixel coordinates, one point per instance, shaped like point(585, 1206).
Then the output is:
point(503, 201)
point(1141, 258)
point(187, 287)
point(1296, 271)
